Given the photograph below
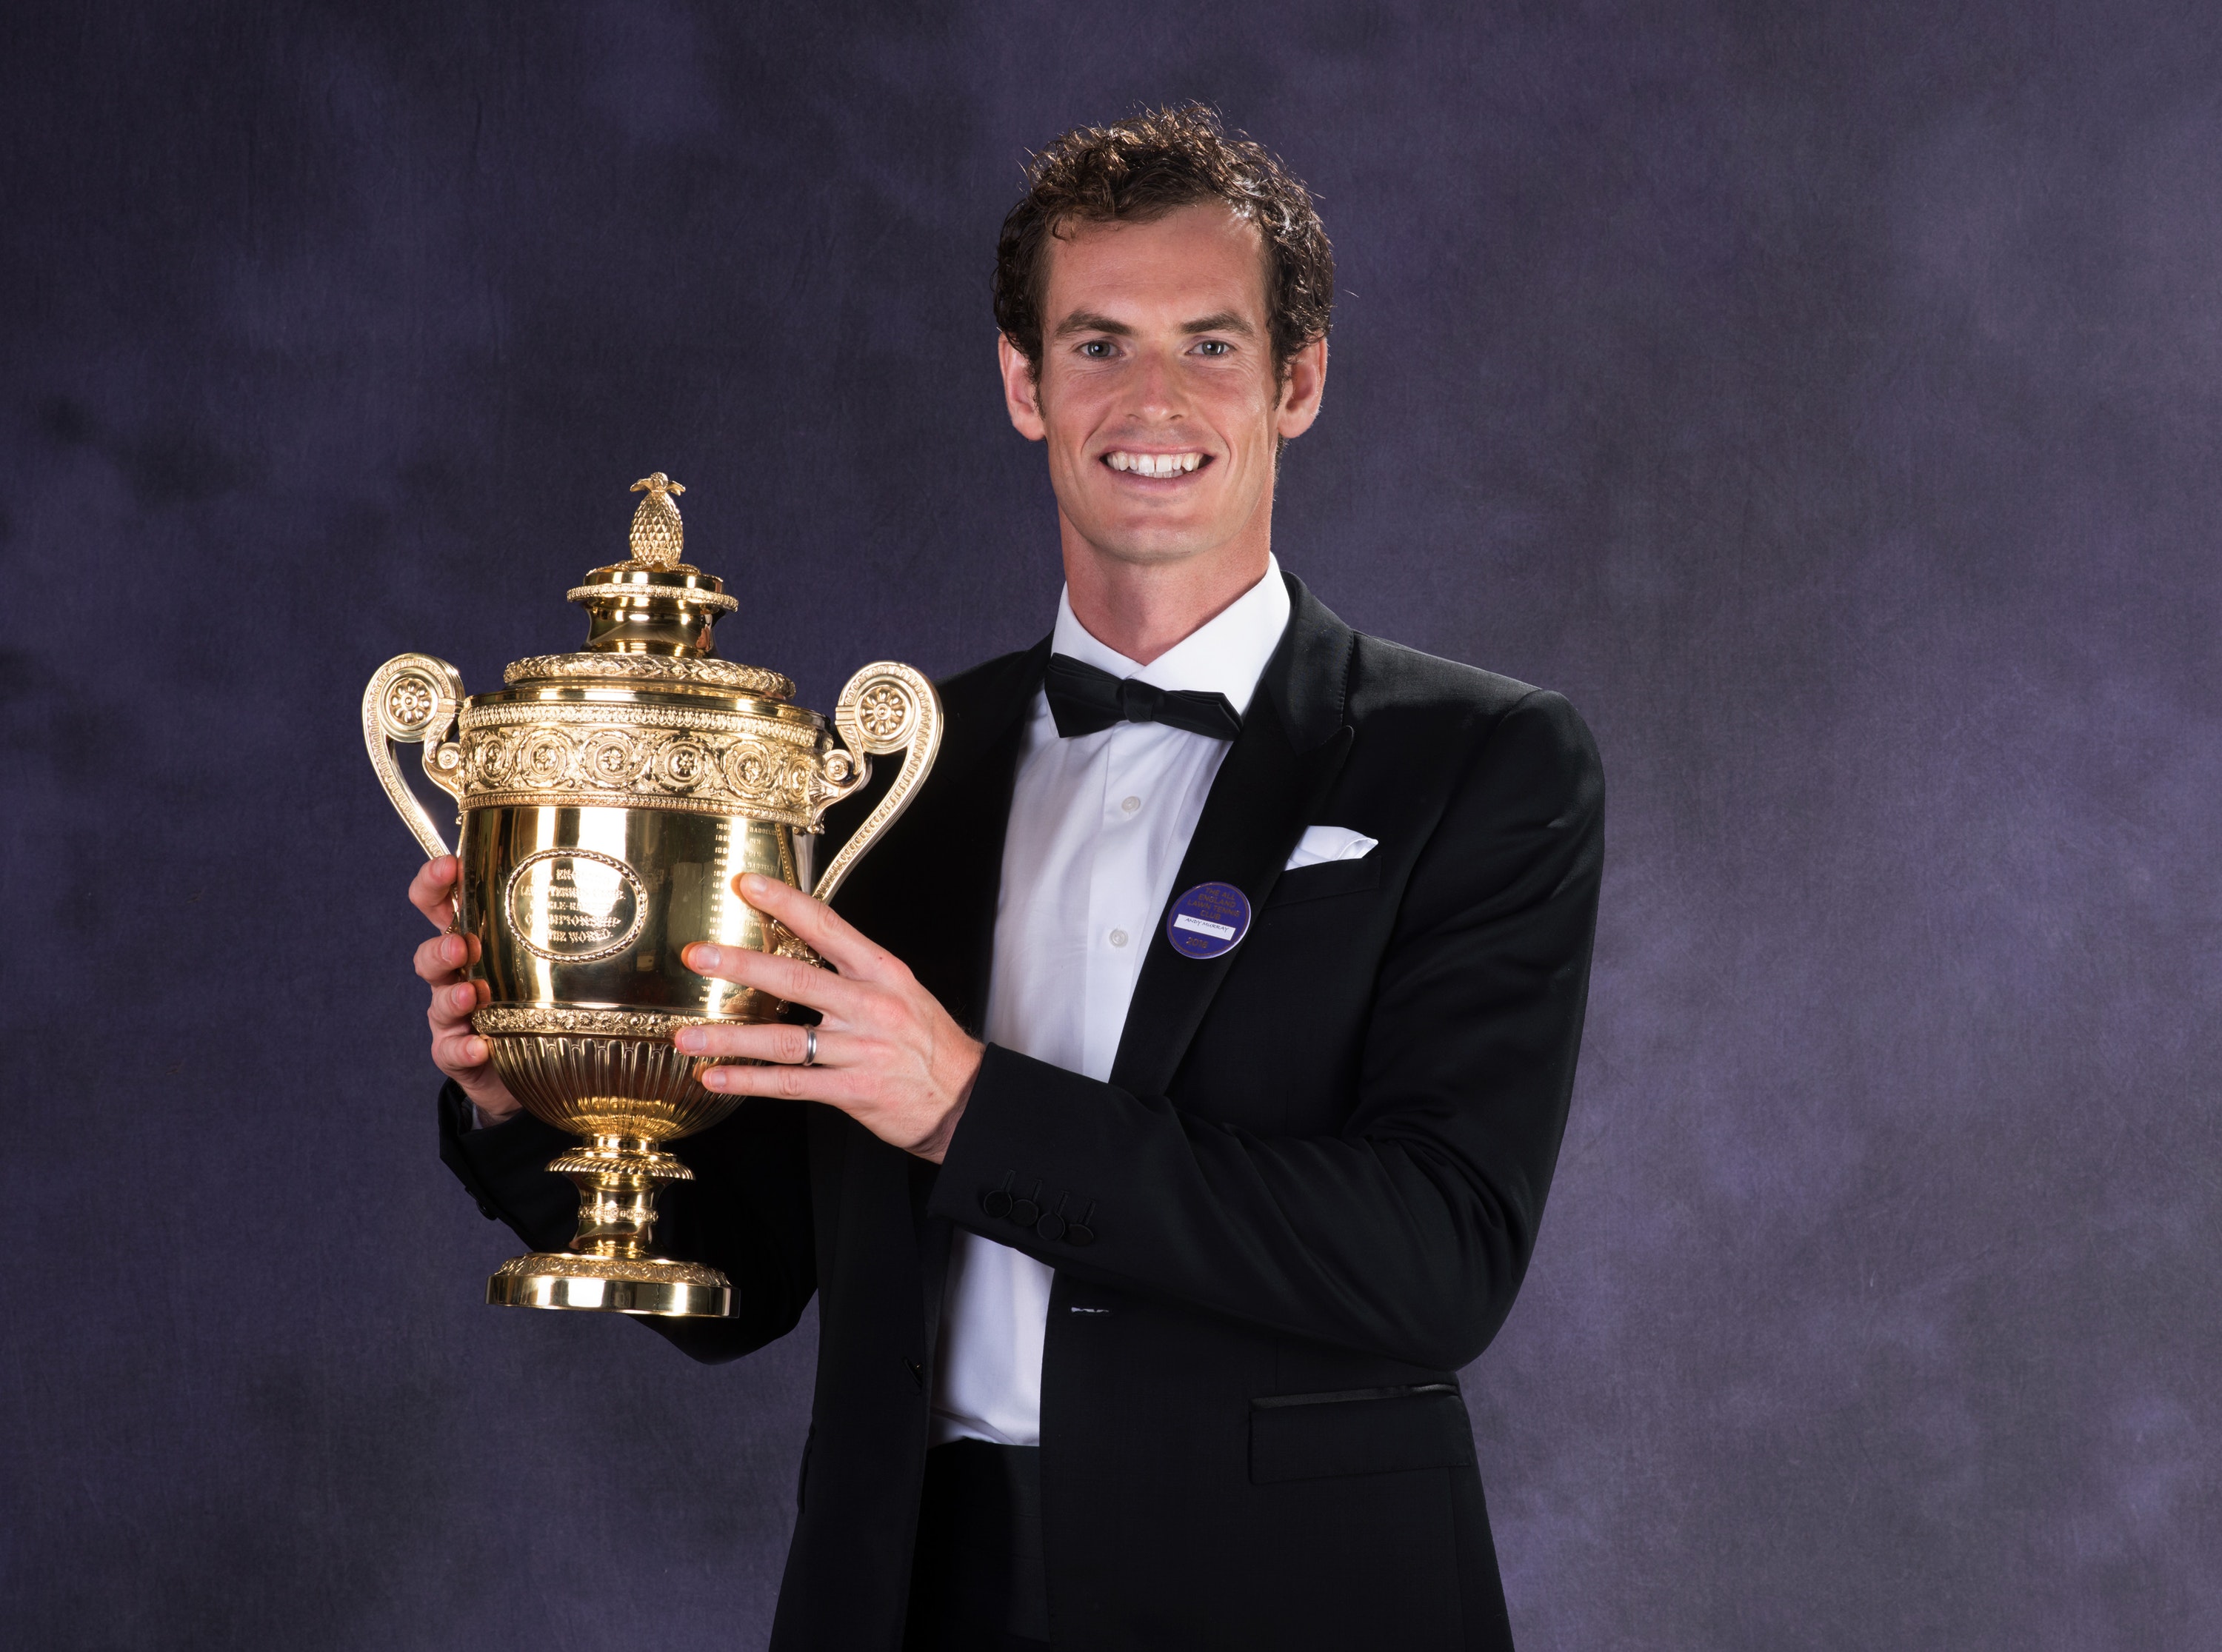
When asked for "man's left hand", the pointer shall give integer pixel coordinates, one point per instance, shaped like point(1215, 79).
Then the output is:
point(888, 1054)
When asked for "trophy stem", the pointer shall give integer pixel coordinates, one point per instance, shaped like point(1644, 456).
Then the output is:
point(617, 1178)
point(609, 1267)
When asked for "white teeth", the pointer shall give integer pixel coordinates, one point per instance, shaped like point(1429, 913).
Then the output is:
point(1154, 464)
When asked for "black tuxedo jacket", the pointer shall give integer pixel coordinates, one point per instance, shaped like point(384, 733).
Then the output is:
point(1305, 1198)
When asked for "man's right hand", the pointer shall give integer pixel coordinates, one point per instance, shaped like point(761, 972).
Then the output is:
point(456, 1050)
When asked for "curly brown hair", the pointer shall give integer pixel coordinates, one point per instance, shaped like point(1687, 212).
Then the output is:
point(1140, 170)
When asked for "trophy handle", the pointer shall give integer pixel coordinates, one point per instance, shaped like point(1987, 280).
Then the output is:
point(412, 700)
point(884, 708)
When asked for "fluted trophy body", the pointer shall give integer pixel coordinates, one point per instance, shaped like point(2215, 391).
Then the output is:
point(609, 799)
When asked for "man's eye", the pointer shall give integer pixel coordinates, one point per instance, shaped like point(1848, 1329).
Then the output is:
point(1097, 349)
point(1216, 346)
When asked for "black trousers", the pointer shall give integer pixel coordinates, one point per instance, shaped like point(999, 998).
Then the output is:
point(976, 1583)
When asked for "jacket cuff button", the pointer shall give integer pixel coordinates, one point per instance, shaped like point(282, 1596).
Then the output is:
point(1079, 1233)
point(1051, 1227)
point(996, 1203)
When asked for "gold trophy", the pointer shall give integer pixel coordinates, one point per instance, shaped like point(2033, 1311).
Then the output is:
point(609, 799)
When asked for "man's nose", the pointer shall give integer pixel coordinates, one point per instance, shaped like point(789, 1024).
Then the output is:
point(1157, 393)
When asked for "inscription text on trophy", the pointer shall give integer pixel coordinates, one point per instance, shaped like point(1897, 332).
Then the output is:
point(574, 905)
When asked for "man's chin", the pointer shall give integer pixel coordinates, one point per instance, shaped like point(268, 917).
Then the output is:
point(1151, 549)
point(1151, 542)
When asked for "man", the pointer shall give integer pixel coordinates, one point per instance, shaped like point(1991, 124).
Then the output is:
point(1198, 1045)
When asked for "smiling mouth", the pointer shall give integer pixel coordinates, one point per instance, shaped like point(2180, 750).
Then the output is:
point(1156, 467)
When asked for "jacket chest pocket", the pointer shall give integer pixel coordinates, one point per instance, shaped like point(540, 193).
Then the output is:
point(1328, 877)
point(1360, 1432)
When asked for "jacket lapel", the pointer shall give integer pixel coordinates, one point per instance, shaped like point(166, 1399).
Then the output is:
point(1275, 777)
point(928, 892)
point(979, 799)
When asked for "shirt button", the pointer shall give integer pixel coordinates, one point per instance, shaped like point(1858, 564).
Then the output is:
point(1131, 804)
point(1119, 937)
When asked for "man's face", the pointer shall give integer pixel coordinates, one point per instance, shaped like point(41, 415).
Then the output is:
point(1157, 393)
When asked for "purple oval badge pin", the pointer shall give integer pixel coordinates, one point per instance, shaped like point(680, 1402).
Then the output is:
point(1208, 921)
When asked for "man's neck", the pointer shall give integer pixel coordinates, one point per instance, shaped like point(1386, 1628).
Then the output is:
point(1142, 609)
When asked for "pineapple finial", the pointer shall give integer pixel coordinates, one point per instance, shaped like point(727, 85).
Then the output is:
point(658, 536)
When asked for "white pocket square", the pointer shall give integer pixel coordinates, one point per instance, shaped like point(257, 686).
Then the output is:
point(1322, 844)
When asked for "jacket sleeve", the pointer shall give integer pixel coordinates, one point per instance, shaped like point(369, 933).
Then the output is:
point(1406, 1233)
point(747, 1211)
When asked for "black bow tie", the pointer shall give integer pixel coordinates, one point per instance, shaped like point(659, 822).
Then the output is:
point(1087, 701)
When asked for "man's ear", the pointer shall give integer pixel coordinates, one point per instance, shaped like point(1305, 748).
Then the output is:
point(1302, 386)
point(1021, 389)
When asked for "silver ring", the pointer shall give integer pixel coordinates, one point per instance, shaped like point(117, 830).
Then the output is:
point(810, 1046)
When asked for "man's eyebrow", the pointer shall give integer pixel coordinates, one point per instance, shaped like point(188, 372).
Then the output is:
point(1087, 321)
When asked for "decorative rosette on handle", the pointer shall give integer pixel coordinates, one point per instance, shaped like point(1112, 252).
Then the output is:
point(885, 708)
point(412, 700)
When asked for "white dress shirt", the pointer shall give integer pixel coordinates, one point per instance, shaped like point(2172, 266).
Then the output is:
point(1098, 828)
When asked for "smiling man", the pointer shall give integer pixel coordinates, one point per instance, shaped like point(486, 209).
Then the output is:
point(1193, 1066)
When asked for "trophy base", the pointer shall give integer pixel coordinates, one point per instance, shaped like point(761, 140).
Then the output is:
point(611, 1285)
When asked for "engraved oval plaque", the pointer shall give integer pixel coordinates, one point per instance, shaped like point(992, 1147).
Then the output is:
point(576, 905)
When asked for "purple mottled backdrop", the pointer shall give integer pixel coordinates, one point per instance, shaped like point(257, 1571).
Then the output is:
point(1825, 397)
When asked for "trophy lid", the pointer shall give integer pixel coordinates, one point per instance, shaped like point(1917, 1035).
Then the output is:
point(650, 616)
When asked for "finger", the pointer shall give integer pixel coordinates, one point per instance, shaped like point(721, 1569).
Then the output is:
point(835, 939)
point(431, 891)
point(460, 1053)
point(842, 1087)
point(452, 1005)
point(770, 1041)
point(438, 959)
point(785, 978)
